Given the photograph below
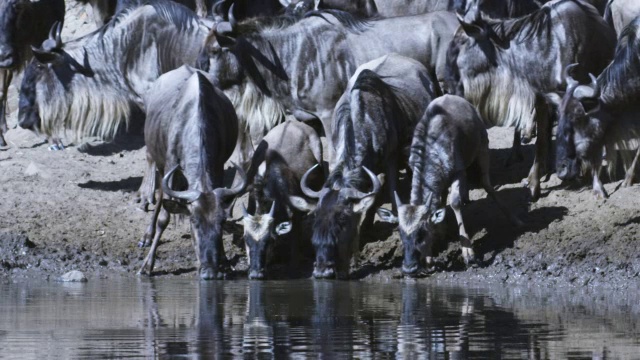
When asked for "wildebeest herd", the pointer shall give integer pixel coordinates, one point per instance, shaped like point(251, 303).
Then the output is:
point(394, 86)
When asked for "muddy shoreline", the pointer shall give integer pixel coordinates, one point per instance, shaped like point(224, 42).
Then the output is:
point(72, 210)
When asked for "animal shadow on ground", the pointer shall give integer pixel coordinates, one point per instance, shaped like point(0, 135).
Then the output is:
point(127, 139)
point(129, 184)
point(497, 232)
point(516, 172)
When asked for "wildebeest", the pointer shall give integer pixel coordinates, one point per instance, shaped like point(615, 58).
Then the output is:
point(279, 68)
point(498, 9)
point(505, 68)
point(602, 114)
point(620, 13)
point(191, 127)
point(23, 23)
point(104, 10)
point(119, 62)
point(448, 140)
point(245, 9)
point(277, 167)
point(372, 129)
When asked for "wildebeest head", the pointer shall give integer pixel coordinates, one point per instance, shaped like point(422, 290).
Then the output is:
point(259, 232)
point(338, 216)
point(12, 26)
point(207, 211)
point(579, 135)
point(50, 68)
point(216, 56)
point(420, 228)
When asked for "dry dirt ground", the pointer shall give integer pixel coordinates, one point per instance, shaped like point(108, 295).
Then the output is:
point(68, 210)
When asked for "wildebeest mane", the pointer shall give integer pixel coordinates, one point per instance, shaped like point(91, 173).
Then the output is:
point(179, 15)
point(350, 21)
point(620, 81)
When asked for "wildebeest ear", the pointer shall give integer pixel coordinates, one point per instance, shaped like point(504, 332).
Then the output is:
point(46, 57)
point(364, 204)
point(301, 204)
point(386, 215)
point(283, 228)
point(175, 207)
point(438, 216)
point(470, 29)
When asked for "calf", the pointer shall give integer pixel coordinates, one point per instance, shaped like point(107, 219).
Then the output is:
point(450, 138)
point(277, 166)
point(372, 128)
point(191, 126)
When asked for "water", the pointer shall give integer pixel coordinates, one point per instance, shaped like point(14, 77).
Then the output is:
point(185, 318)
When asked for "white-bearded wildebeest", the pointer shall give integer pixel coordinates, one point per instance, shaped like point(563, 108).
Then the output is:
point(605, 114)
point(304, 68)
point(277, 167)
point(23, 23)
point(448, 140)
point(372, 129)
point(119, 62)
point(505, 68)
point(191, 126)
point(620, 13)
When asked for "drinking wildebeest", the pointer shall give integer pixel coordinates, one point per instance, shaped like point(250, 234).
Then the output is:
point(448, 140)
point(291, 68)
point(191, 129)
point(620, 13)
point(505, 68)
point(602, 114)
point(372, 129)
point(23, 23)
point(277, 167)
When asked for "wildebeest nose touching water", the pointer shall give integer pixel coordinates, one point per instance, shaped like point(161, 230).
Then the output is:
point(398, 100)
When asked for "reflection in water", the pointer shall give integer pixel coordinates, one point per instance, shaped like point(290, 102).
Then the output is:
point(161, 318)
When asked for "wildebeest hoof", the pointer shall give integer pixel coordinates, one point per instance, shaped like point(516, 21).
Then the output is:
point(209, 274)
point(144, 242)
point(326, 273)
point(256, 275)
point(56, 147)
point(600, 194)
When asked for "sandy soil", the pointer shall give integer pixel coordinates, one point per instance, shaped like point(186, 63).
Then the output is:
point(70, 210)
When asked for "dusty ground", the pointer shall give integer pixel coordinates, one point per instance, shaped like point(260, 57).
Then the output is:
point(71, 210)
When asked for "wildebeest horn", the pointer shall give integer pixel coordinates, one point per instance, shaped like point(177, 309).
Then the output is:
point(215, 8)
point(428, 202)
point(273, 209)
point(187, 195)
point(571, 82)
point(245, 213)
point(397, 198)
point(358, 195)
point(58, 37)
point(232, 18)
point(591, 91)
point(225, 193)
point(303, 184)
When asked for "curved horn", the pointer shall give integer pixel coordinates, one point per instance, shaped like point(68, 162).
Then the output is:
point(188, 195)
point(215, 8)
point(273, 209)
point(591, 91)
point(571, 82)
point(397, 198)
point(54, 30)
point(225, 193)
point(358, 195)
point(303, 184)
point(232, 18)
point(58, 37)
point(594, 85)
point(244, 211)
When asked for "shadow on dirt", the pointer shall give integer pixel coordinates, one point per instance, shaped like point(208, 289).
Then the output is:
point(129, 184)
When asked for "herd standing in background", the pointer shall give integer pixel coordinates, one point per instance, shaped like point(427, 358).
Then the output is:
point(370, 74)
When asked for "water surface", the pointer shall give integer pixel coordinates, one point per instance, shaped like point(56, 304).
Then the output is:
point(186, 318)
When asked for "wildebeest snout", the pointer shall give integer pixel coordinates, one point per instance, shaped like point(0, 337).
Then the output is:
point(567, 169)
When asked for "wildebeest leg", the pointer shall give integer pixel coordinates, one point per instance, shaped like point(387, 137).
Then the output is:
point(151, 229)
point(6, 76)
point(483, 164)
point(598, 188)
point(161, 225)
point(146, 194)
point(631, 171)
point(456, 205)
point(539, 162)
point(516, 150)
point(55, 143)
point(392, 175)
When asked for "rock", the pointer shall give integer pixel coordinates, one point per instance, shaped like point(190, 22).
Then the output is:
point(73, 276)
point(35, 170)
